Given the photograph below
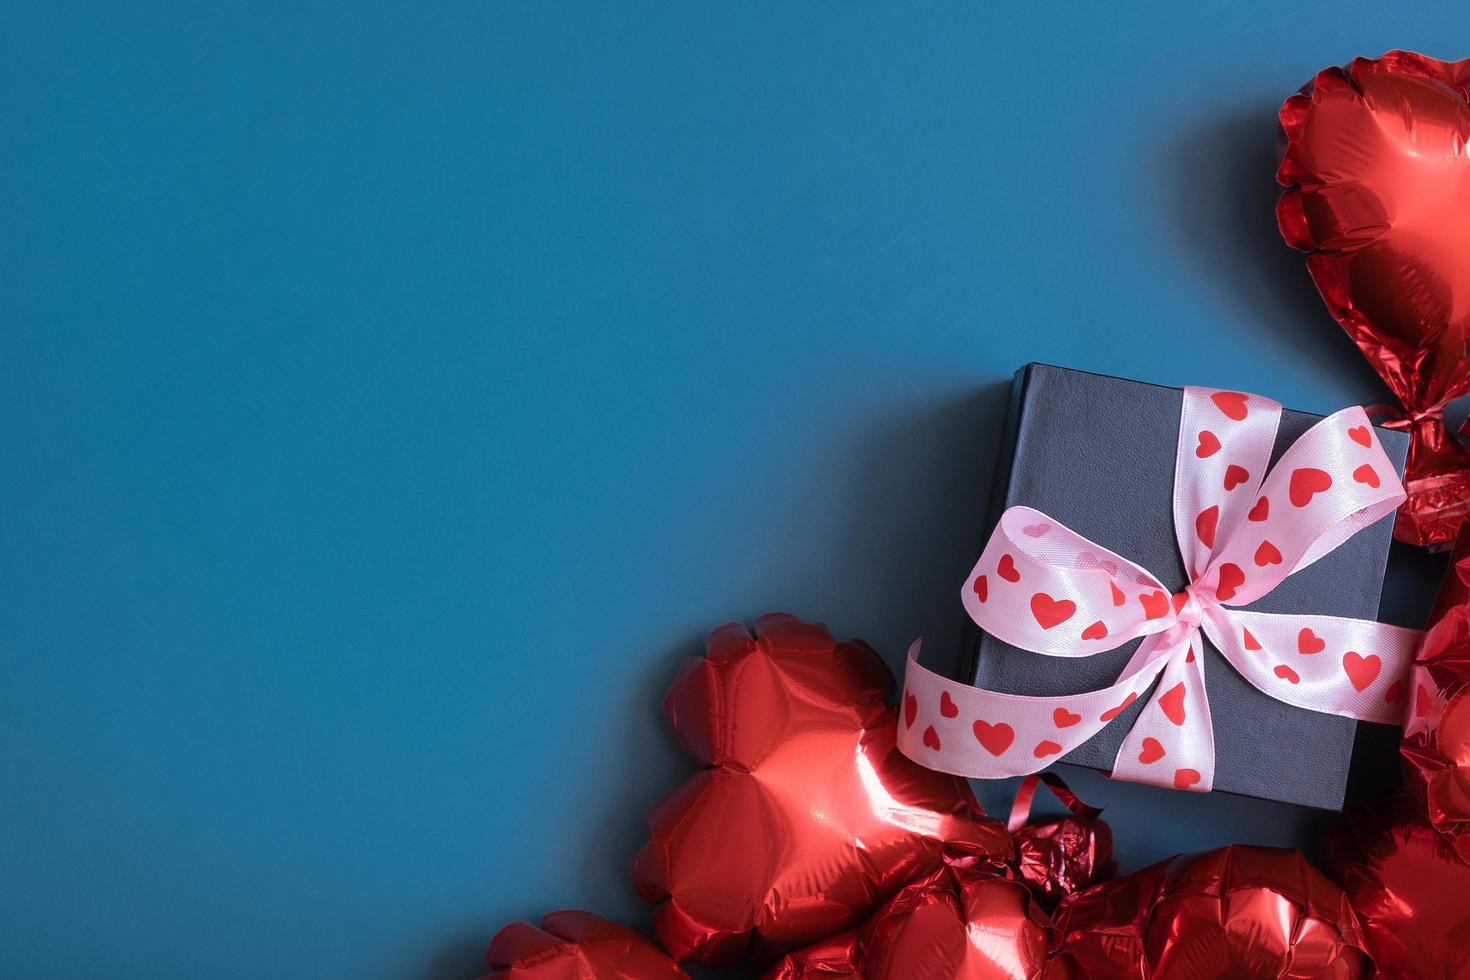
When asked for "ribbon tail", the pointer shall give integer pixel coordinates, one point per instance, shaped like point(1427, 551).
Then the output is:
point(1394, 416)
point(1026, 793)
point(968, 731)
point(1351, 667)
point(1172, 744)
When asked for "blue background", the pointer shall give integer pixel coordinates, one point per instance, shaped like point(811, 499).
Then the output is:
point(390, 396)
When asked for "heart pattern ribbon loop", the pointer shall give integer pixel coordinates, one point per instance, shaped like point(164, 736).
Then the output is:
point(1241, 531)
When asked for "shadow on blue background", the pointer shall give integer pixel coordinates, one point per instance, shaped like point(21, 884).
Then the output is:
point(390, 398)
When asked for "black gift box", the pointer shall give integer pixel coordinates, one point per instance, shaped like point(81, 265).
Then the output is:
point(1079, 447)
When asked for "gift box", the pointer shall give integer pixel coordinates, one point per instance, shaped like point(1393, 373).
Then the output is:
point(1097, 454)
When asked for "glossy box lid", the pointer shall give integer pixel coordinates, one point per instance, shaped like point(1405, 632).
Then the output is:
point(1079, 447)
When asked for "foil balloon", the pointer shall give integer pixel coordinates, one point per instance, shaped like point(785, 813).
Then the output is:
point(576, 945)
point(1377, 178)
point(839, 957)
point(955, 924)
point(807, 815)
point(1244, 912)
point(1410, 890)
point(1062, 855)
point(1436, 744)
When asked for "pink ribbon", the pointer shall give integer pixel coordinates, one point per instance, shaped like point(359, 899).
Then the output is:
point(1241, 531)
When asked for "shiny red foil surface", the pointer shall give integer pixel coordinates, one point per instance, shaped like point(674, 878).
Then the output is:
point(1235, 912)
point(1058, 857)
point(1410, 890)
point(1436, 745)
point(1377, 179)
point(807, 816)
point(954, 924)
point(843, 955)
point(1061, 855)
point(576, 945)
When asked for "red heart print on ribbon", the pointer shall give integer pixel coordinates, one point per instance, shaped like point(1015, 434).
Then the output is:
point(1361, 670)
point(1205, 525)
point(1155, 604)
point(1172, 703)
point(1229, 581)
point(1051, 612)
point(995, 738)
point(1308, 642)
point(1112, 713)
point(1232, 403)
point(1046, 747)
point(1306, 483)
point(1063, 718)
point(1237, 548)
point(1088, 560)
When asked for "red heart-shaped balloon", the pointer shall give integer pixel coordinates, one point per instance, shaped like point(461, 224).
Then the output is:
point(1378, 193)
point(1237, 912)
point(1407, 886)
point(974, 923)
point(1436, 746)
point(807, 815)
point(955, 924)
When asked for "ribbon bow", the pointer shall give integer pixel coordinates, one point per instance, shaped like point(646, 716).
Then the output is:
point(1426, 424)
point(1040, 586)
